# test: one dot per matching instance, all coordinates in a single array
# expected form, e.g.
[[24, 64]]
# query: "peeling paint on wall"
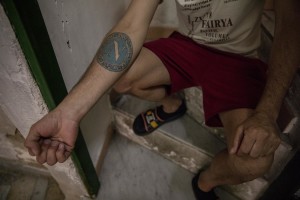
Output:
[[16, 82], [23, 104]]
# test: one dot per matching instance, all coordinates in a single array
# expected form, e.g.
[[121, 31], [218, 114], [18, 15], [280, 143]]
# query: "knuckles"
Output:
[[266, 135], [256, 133], [261, 132]]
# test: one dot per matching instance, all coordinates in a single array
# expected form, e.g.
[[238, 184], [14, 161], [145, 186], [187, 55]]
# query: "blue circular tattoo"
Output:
[[115, 53]]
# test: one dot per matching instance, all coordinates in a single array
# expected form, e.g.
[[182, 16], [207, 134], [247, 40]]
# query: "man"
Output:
[[214, 48]]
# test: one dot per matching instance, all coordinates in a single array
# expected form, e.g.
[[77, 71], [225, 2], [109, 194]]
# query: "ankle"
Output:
[[204, 187], [204, 183], [171, 106]]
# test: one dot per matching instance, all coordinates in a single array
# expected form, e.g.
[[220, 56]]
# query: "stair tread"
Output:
[[185, 142], [19, 182], [40, 189], [4, 190], [184, 128], [132, 172]]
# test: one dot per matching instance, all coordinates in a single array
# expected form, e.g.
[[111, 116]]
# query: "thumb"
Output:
[[237, 139]]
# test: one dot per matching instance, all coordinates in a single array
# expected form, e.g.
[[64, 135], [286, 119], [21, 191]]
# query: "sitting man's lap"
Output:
[[228, 81]]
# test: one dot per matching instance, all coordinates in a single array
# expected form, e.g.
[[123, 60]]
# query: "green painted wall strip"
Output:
[[85, 166], [26, 18]]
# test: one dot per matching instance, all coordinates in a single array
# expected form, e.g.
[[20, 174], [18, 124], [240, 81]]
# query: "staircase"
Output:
[[188, 143], [184, 142], [20, 181]]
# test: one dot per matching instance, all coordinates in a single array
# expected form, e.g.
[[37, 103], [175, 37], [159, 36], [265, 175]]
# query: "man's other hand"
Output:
[[257, 136]]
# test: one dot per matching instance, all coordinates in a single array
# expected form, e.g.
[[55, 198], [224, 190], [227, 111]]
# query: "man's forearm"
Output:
[[284, 58], [85, 94], [117, 52]]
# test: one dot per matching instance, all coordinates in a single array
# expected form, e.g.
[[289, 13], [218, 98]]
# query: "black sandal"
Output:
[[146, 122]]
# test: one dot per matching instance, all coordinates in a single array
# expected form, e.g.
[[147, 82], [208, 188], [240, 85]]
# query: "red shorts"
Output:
[[228, 81]]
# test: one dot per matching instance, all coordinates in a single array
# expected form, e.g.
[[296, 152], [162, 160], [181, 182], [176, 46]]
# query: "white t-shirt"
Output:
[[228, 25]]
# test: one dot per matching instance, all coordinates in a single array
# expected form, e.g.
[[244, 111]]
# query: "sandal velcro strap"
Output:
[[148, 121], [151, 119]]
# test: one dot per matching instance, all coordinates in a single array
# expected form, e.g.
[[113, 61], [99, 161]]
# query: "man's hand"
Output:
[[257, 136], [52, 138]]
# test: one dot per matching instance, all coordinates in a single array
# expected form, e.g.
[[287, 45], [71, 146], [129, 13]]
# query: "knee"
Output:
[[123, 86], [248, 168], [128, 86]]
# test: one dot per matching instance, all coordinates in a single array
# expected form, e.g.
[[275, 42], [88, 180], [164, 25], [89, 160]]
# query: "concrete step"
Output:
[[132, 172], [26, 183], [4, 190], [184, 141]]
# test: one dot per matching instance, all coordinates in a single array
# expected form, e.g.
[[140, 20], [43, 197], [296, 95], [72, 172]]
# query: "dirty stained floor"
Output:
[[17, 184], [132, 172], [129, 172]]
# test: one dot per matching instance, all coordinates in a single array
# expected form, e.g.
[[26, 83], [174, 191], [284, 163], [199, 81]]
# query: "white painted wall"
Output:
[[166, 15], [16, 83], [76, 29], [7, 150]]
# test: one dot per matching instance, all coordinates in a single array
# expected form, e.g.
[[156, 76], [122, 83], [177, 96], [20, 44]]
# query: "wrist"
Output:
[[270, 104], [70, 109], [271, 113]]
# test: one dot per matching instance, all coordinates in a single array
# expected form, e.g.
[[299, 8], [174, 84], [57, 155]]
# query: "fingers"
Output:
[[247, 144], [237, 140], [32, 144], [258, 143], [251, 144], [52, 138], [52, 152], [67, 154], [275, 144], [62, 154], [257, 149], [42, 157], [31, 152]]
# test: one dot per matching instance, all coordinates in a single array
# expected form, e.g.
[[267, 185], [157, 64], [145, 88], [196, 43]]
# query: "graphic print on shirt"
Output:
[[227, 25], [203, 18]]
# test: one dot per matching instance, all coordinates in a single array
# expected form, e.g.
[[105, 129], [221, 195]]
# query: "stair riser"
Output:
[[184, 155], [179, 152]]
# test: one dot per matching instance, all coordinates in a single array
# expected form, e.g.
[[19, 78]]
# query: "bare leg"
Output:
[[171, 103], [232, 169], [147, 79]]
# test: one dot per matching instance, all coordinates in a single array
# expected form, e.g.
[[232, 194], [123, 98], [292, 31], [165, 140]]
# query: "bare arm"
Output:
[[52, 138], [285, 57], [259, 135], [116, 53]]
